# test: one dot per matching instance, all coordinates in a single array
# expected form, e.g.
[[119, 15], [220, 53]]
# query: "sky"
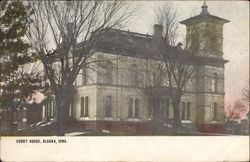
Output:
[[236, 35]]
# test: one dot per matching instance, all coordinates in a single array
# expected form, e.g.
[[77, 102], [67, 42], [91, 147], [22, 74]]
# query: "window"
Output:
[[84, 76], [133, 108], [44, 111], [134, 75], [215, 111], [54, 105], [183, 111], [86, 110], [188, 111], [214, 82], [84, 106], [136, 111], [71, 109], [52, 108], [108, 75], [130, 107], [194, 42], [108, 106], [164, 108]]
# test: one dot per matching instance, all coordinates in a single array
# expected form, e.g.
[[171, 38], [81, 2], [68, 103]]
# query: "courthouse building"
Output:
[[115, 92]]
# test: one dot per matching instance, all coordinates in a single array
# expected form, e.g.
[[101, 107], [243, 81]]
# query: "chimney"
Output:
[[158, 31]]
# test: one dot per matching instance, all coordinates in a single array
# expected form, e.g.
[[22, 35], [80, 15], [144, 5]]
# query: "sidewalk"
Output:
[[75, 133]]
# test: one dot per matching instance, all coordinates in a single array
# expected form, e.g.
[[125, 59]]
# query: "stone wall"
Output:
[[198, 91]]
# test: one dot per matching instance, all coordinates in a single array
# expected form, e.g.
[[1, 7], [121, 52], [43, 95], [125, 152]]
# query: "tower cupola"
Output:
[[204, 33], [204, 10]]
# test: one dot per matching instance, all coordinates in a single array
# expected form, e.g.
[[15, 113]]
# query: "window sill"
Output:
[[186, 121], [84, 118], [108, 118], [214, 121], [133, 119]]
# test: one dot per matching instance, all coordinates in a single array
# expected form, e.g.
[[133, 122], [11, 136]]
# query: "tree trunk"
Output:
[[64, 96], [11, 115], [177, 119]]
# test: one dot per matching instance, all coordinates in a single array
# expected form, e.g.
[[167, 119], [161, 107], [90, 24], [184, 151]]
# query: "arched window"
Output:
[[214, 82], [183, 111], [134, 75], [108, 106], [215, 111], [82, 107]]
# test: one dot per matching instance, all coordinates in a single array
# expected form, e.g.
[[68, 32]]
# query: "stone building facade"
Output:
[[113, 92]]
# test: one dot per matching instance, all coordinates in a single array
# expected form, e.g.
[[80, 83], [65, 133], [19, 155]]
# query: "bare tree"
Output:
[[66, 33], [179, 63], [235, 112], [245, 94], [167, 16]]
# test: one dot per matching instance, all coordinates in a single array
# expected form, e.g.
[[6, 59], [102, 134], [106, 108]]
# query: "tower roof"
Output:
[[204, 16]]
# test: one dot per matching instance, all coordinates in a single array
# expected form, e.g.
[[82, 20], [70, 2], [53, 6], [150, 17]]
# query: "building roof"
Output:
[[204, 16], [126, 43]]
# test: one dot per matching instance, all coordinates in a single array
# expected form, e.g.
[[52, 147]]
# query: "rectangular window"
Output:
[[183, 111], [86, 110], [55, 109], [84, 76], [166, 107], [133, 108], [108, 106], [49, 109], [130, 107], [52, 109], [136, 111], [109, 70], [213, 85], [82, 107], [215, 111], [71, 109], [188, 111]]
